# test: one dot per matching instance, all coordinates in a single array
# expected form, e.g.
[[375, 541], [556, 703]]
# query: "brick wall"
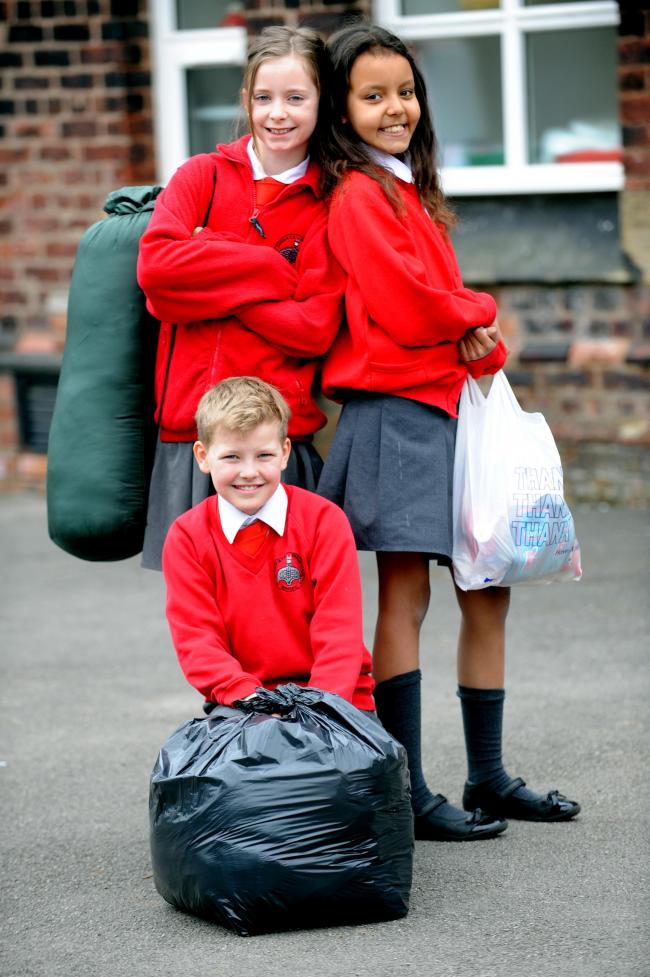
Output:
[[634, 100], [75, 122], [634, 93], [580, 355]]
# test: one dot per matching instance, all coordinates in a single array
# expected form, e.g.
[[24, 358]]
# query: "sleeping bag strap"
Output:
[[172, 337]]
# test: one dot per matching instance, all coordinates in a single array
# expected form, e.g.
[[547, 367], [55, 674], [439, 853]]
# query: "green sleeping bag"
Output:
[[102, 435]]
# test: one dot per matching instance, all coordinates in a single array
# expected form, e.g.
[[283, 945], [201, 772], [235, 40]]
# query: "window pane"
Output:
[[464, 85], [572, 88], [536, 3], [213, 106], [195, 14], [415, 7]]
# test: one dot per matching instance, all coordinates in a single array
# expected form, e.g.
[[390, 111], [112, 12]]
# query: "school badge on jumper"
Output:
[[289, 572], [288, 247]]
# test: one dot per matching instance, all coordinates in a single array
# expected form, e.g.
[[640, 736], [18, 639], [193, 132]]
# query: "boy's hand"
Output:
[[479, 342], [276, 715]]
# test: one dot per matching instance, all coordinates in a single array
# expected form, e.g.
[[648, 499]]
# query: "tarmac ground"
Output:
[[90, 688]]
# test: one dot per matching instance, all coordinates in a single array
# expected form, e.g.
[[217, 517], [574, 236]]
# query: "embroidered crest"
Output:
[[288, 247], [289, 572]]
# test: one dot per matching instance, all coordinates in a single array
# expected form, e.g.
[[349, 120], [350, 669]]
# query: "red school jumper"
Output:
[[241, 303], [406, 306], [289, 612]]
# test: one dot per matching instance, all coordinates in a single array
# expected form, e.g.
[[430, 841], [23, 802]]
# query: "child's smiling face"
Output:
[[283, 109], [245, 467], [382, 106]]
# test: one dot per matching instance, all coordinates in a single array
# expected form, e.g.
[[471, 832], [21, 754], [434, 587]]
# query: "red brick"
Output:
[[609, 351], [62, 249], [8, 156], [631, 80], [48, 274], [635, 109], [55, 153], [9, 440], [13, 298], [634, 52], [106, 152], [85, 128], [101, 54], [637, 162]]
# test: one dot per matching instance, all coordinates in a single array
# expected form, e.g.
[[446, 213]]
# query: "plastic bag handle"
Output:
[[472, 393]]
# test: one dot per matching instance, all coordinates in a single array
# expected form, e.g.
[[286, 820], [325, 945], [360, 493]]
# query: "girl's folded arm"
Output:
[[492, 363], [187, 276], [376, 249], [307, 323]]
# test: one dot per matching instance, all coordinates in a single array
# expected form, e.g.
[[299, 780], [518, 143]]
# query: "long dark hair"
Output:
[[342, 150]]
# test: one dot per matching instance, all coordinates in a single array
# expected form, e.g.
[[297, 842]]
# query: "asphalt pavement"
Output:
[[90, 688]]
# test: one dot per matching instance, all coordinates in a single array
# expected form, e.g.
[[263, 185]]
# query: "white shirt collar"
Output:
[[397, 167], [288, 176], [273, 513]]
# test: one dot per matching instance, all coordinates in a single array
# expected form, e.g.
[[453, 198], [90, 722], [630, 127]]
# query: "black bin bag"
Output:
[[263, 823]]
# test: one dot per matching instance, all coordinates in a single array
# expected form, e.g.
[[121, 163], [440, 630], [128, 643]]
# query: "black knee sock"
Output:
[[482, 711], [483, 722], [399, 709]]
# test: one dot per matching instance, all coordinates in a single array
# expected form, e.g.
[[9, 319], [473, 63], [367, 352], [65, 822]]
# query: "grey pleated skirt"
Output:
[[177, 484], [391, 469]]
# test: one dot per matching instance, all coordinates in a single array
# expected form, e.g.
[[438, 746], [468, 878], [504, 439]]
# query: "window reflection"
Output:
[[538, 3], [572, 96], [214, 106], [199, 14], [464, 84], [420, 7]]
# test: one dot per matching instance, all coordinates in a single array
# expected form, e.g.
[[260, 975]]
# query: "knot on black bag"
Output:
[[281, 700]]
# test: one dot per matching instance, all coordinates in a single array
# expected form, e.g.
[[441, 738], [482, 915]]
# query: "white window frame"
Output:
[[511, 22], [173, 52]]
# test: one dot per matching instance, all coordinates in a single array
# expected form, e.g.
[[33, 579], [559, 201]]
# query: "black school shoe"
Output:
[[545, 807], [476, 827]]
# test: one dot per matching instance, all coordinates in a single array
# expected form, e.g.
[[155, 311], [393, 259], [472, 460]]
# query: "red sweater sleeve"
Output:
[[489, 364], [377, 249], [197, 627], [336, 628], [307, 323], [210, 275]]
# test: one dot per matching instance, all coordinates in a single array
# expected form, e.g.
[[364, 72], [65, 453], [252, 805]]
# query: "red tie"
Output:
[[250, 539]]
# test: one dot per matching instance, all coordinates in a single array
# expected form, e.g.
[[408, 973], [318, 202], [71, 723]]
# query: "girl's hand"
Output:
[[479, 342], [196, 231]]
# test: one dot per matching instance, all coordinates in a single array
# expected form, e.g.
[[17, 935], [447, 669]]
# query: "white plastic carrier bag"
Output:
[[511, 523]]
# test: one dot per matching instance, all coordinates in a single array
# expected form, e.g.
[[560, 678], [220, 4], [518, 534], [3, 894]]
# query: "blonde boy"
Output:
[[262, 579]]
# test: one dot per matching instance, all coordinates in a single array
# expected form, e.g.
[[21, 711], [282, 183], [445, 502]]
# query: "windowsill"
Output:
[[536, 178]]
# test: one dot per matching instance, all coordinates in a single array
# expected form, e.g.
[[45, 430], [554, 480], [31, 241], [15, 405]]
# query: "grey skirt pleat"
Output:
[[391, 468]]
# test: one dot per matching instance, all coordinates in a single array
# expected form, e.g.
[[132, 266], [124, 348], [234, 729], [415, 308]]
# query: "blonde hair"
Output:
[[240, 404]]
